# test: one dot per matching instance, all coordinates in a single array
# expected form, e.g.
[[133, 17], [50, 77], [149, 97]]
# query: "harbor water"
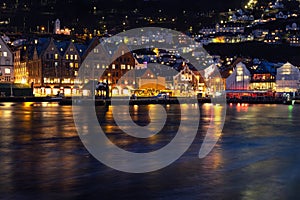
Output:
[[256, 157]]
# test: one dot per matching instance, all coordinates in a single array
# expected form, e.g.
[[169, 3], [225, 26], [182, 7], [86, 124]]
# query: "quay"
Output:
[[146, 101]]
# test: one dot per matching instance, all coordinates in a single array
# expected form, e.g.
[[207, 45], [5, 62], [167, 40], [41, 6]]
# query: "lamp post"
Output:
[[110, 84], [11, 88]]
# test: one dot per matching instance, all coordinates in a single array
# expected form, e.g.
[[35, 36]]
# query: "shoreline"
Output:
[[144, 101]]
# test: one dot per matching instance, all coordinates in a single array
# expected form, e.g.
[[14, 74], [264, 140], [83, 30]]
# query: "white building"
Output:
[[6, 63], [239, 79], [287, 78]]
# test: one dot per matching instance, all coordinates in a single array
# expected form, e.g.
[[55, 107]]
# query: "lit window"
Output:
[[113, 66], [76, 57], [71, 65], [76, 65], [71, 57], [128, 67], [7, 71], [67, 56], [5, 54], [56, 56], [0, 46], [123, 66]]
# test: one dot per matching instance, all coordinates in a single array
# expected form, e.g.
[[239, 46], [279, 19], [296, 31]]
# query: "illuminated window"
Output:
[[5, 54], [239, 71], [67, 56], [71, 65], [123, 66], [56, 56], [71, 57], [76, 57], [76, 73], [67, 80], [76, 65], [113, 66], [7, 71], [128, 67], [0, 46]]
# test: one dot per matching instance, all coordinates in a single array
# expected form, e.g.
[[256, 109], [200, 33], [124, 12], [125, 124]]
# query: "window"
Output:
[[71, 57], [76, 65], [7, 71], [71, 65], [67, 57], [55, 64], [76, 57], [46, 80], [5, 54], [56, 56], [113, 66], [0, 46], [123, 67]]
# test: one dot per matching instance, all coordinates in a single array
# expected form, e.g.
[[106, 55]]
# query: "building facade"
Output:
[[6, 63]]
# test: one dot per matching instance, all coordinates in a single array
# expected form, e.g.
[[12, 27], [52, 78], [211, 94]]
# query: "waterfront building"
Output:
[[6, 63], [188, 82], [151, 80], [287, 78], [239, 79], [263, 76], [60, 65], [119, 74]]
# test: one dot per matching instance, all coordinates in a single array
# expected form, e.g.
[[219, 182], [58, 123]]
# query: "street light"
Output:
[[11, 88]]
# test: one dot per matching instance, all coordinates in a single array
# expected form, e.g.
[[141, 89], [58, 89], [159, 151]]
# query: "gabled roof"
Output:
[[81, 48], [265, 68], [62, 46], [42, 45]]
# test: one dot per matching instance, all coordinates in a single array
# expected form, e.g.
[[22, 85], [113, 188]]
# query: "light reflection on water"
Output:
[[257, 156]]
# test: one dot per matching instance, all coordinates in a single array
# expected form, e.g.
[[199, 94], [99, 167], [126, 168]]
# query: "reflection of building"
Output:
[[6, 63], [287, 79]]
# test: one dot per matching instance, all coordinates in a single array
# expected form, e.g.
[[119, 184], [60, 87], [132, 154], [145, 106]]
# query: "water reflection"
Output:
[[257, 156]]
